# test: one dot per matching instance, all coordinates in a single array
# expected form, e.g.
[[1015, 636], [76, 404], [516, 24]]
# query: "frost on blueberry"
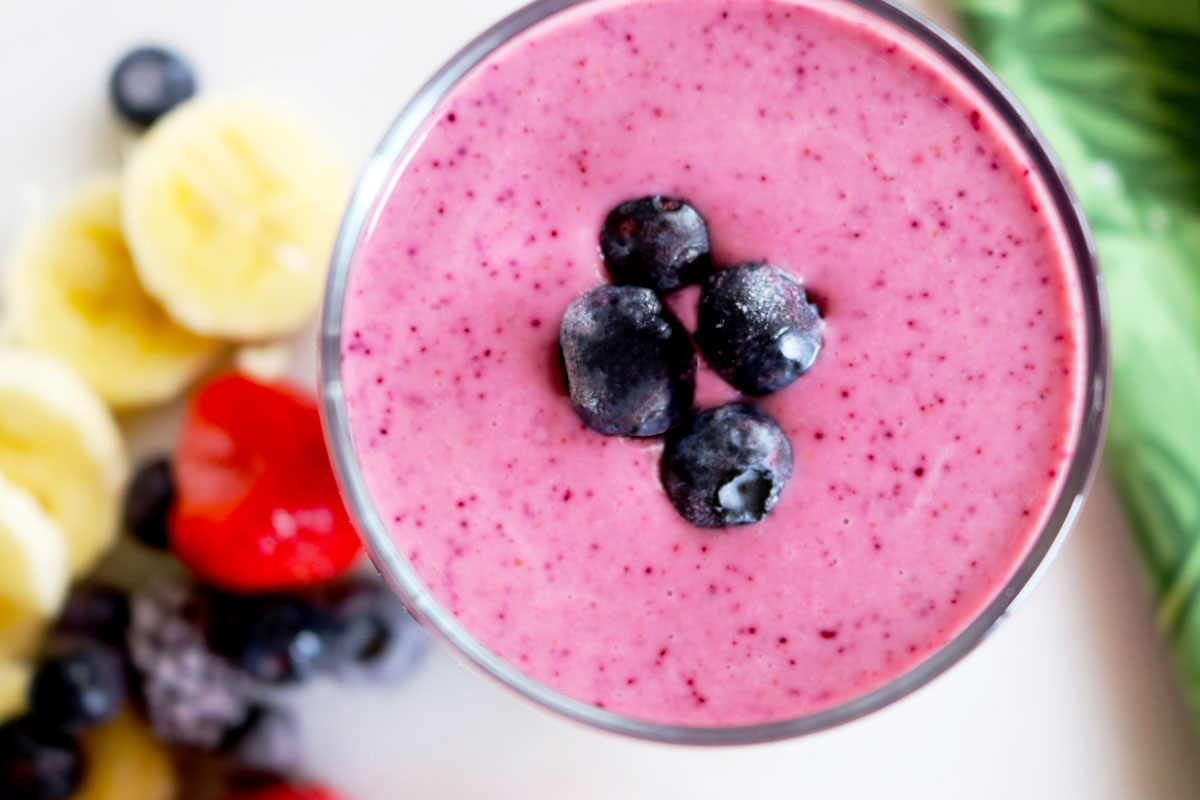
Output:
[[630, 366], [757, 328], [726, 466]]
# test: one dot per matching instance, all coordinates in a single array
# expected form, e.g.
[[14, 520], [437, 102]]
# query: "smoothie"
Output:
[[930, 438]]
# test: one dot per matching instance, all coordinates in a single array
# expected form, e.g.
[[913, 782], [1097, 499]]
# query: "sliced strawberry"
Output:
[[257, 507]]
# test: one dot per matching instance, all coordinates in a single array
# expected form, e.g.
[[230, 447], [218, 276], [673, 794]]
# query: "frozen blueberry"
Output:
[[757, 328], [79, 687], [148, 501], [95, 612], [273, 638], [726, 466], [374, 639], [630, 365], [148, 82], [38, 761], [657, 242]]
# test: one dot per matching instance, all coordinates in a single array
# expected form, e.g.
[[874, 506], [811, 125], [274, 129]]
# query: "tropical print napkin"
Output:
[[1115, 86]]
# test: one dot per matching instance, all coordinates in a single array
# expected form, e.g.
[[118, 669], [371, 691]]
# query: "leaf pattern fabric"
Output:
[[1115, 86]]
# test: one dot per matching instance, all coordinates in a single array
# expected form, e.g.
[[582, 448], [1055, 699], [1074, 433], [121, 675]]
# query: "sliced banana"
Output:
[[60, 442], [34, 571], [125, 762], [230, 207], [72, 290], [14, 687]]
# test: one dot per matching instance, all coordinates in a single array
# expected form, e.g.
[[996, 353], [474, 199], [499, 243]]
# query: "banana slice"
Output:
[[60, 442], [14, 688], [72, 291], [230, 207], [34, 571], [125, 762]]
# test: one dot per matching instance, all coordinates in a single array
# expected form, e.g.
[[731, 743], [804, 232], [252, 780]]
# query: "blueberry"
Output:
[[38, 761], [100, 613], [657, 242], [273, 638], [726, 466], [374, 639], [79, 687], [757, 328], [148, 82], [148, 500], [268, 741], [630, 366]]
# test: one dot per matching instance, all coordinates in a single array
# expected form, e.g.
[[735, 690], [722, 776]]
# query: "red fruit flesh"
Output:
[[288, 793], [257, 507]]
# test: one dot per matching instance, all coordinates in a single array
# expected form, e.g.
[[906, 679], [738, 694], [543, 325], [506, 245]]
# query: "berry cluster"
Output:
[[127, 682], [211, 672], [631, 366], [215, 667], [209, 661]]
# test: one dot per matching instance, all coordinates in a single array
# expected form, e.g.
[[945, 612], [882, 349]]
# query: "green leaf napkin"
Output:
[[1115, 86]]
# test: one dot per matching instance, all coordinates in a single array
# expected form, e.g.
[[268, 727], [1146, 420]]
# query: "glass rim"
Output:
[[403, 579]]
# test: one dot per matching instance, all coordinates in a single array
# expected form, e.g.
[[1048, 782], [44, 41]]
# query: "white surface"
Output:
[[1072, 698]]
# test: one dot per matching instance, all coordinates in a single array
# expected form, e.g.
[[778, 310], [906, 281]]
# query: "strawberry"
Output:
[[282, 792], [257, 507]]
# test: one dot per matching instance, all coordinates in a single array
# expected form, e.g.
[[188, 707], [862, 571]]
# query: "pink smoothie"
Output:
[[930, 439]]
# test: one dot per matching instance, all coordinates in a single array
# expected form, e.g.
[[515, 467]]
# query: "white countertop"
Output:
[[1072, 698]]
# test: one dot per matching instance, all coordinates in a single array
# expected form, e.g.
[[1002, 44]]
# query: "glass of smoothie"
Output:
[[941, 444]]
